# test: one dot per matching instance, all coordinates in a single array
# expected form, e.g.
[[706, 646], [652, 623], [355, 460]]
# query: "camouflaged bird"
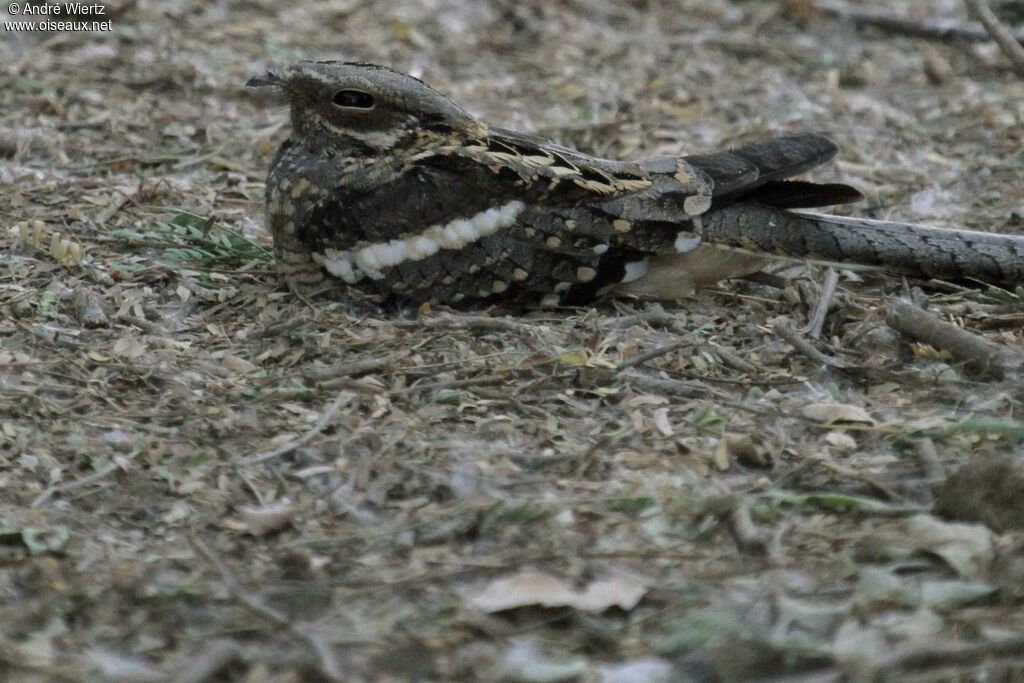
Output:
[[388, 186]]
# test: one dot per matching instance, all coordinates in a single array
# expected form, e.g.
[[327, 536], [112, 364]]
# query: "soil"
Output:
[[204, 477]]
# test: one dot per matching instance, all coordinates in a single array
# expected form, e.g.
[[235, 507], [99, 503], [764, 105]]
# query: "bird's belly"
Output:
[[677, 276]]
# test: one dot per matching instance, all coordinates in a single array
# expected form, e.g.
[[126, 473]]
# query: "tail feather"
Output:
[[757, 172], [753, 165], [787, 155], [907, 248], [798, 194], [727, 171]]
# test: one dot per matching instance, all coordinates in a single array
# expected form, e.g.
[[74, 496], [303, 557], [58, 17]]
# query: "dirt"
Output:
[[203, 477], [987, 491]]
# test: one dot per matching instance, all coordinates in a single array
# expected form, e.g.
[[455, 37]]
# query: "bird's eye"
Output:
[[353, 99]]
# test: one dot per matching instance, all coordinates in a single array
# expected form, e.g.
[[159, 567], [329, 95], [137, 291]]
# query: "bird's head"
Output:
[[362, 108]]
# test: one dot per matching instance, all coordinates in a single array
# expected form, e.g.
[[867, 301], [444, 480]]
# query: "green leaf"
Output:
[[194, 239]]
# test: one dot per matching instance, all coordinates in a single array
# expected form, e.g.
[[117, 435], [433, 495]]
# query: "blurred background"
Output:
[[926, 127]]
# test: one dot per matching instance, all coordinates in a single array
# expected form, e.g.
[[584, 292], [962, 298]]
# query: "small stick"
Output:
[[747, 535], [891, 21], [325, 419], [363, 366], [976, 351], [328, 662], [928, 456], [735, 511], [929, 656], [776, 551], [112, 208], [828, 290], [670, 387], [213, 660], [880, 487], [49, 493], [785, 330], [655, 316], [735, 362], [482, 380], [654, 353], [478, 323], [1007, 42]]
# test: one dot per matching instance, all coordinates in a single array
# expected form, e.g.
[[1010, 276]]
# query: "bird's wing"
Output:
[[512, 212]]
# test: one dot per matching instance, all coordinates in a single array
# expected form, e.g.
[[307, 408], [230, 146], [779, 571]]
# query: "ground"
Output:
[[203, 477]]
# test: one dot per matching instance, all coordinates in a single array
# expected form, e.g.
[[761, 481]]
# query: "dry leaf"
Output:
[[538, 588], [129, 347], [525, 662], [967, 548], [574, 358], [266, 519], [662, 423], [721, 454], [841, 440], [638, 671], [837, 413], [750, 450], [237, 365]]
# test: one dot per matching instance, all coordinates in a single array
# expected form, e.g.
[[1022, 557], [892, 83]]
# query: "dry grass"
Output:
[[203, 476]]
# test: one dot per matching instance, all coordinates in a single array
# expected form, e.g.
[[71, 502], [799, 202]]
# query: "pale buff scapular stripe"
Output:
[[371, 260]]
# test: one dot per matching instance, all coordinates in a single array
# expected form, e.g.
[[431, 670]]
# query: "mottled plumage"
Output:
[[388, 186]]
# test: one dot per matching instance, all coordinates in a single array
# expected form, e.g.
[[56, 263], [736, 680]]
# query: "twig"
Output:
[[525, 332], [1007, 42], [49, 493], [785, 330], [776, 550], [653, 353], [928, 456], [212, 661], [477, 323], [325, 419], [747, 535], [935, 656], [879, 487], [734, 510], [363, 366], [329, 666], [19, 658], [766, 279], [670, 387], [654, 315], [890, 21], [829, 675], [977, 352], [735, 362], [115, 205], [828, 290], [482, 380]]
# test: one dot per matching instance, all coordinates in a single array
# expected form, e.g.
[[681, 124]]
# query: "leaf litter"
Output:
[[205, 475]]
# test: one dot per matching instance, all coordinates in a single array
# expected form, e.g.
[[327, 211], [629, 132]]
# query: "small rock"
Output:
[[882, 342], [989, 490], [88, 310]]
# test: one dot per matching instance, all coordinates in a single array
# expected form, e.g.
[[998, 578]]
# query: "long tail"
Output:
[[903, 248]]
